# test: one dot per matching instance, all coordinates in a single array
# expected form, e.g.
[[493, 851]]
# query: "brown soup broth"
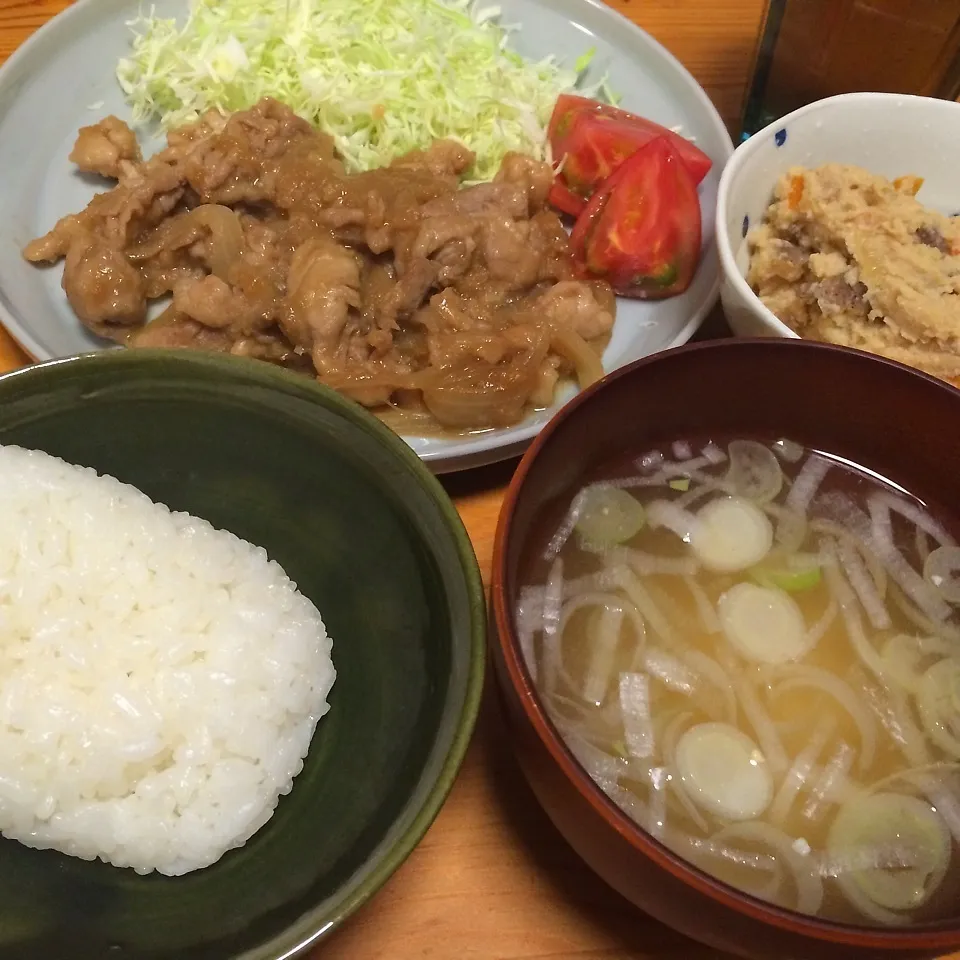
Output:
[[800, 713]]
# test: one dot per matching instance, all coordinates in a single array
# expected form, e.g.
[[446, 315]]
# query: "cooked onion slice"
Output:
[[846, 599], [635, 711], [938, 699], [903, 657], [863, 584], [754, 471], [708, 615], [529, 620], [942, 569], [891, 708], [731, 534], [713, 453], [788, 450], [759, 873], [816, 678], [708, 670], [763, 623], [916, 514], [831, 781], [671, 672], [892, 822], [800, 771], [604, 637], [608, 516], [724, 771], [791, 530], [919, 590], [805, 875], [662, 513], [807, 484]]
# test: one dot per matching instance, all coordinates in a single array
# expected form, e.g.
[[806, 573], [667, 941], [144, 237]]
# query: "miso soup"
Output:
[[754, 650]]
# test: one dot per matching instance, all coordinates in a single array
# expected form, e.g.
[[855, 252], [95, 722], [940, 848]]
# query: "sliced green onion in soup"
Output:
[[764, 624], [909, 844], [731, 534], [754, 471], [608, 516], [793, 581], [724, 771]]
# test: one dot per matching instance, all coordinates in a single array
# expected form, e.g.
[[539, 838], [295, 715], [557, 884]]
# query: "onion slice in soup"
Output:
[[788, 450], [604, 639], [830, 782], [799, 773], [917, 589], [663, 513], [915, 514], [635, 712], [552, 605], [671, 672], [713, 454], [712, 673], [863, 585], [942, 569], [805, 874], [807, 483], [846, 599], [708, 615], [529, 621], [938, 700], [816, 678]]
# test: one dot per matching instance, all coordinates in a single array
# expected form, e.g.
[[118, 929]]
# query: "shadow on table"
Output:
[[478, 480], [638, 934]]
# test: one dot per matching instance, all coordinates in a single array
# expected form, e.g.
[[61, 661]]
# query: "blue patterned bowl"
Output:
[[889, 134]]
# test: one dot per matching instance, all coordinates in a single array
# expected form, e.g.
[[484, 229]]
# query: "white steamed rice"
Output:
[[160, 680]]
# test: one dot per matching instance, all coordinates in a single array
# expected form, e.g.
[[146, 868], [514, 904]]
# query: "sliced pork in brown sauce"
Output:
[[457, 305]]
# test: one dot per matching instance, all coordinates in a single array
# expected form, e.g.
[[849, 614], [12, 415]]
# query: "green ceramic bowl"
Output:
[[369, 535]]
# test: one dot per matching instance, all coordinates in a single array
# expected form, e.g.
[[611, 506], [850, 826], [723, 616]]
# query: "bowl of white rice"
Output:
[[241, 654]]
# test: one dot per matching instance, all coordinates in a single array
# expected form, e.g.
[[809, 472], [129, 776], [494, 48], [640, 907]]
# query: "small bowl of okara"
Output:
[[242, 652], [838, 223]]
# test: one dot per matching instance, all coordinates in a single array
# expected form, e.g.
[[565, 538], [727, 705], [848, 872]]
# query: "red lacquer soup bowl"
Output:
[[902, 424]]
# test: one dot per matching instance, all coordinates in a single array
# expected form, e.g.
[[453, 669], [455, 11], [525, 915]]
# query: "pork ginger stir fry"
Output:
[[395, 286]]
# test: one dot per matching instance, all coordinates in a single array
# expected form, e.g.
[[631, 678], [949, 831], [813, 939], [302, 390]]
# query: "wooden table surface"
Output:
[[492, 880]]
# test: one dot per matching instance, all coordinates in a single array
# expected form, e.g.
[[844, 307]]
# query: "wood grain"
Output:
[[492, 879]]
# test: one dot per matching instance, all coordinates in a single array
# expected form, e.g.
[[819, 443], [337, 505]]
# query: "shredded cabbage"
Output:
[[382, 77]]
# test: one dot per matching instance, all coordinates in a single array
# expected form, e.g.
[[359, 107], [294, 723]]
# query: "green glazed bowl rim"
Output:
[[316, 924]]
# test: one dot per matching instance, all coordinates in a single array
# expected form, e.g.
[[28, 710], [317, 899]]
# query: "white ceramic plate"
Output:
[[63, 78]]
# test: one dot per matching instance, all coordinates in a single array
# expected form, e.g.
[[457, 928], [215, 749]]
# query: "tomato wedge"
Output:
[[641, 230], [569, 108], [564, 200], [593, 139]]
